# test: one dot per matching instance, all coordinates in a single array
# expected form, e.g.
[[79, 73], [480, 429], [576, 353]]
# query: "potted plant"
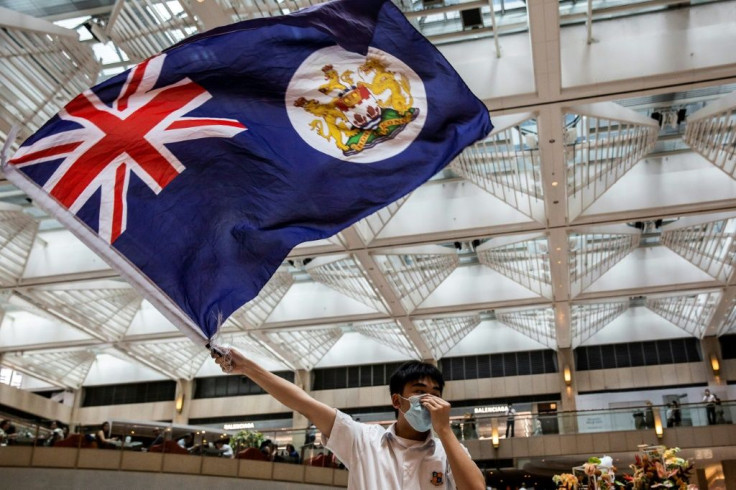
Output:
[[245, 439]]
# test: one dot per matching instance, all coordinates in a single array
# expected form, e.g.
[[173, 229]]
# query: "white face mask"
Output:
[[417, 416]]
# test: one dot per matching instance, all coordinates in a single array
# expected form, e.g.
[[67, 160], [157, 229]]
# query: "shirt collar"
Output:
[[390, 435]]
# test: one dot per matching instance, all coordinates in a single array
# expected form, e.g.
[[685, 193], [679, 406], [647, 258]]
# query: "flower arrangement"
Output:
[[658, 467], [595, 474], [655, 467]]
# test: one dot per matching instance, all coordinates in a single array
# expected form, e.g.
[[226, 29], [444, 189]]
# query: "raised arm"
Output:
[[287, 393]]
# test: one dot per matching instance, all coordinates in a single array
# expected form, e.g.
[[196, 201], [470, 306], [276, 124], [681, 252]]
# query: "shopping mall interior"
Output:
[[578, 264]]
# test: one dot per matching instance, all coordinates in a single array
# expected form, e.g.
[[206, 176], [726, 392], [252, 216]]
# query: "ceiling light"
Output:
[[554, 183]]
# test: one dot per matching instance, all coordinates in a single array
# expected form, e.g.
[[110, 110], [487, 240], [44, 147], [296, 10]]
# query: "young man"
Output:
[[401, 457]]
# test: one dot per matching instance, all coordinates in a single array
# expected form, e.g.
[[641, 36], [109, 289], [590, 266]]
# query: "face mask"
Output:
[[417, 416]]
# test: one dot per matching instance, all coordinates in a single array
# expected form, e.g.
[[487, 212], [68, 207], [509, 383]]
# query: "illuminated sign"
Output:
[[491, 409], [239, 426]]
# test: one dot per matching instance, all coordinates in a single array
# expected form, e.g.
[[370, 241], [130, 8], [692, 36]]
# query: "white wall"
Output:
[[476, 284], [108, 370], [354, 349], [637, 324], [442, 206], [678, 40], [666, 181], [315, 300], [649, 267], [60, 252], [20, 328], [493, 337]]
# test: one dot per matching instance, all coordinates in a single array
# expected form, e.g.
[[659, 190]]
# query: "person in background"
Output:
[[57, 433], [510, 420], [469, 431], [4, 436], [311, 434], [158, 437], [710, 406], [676, 413], [186, 442], [669, 415], [102, 436], [649, 415], [291, 455], [222, 445], [720, 419]]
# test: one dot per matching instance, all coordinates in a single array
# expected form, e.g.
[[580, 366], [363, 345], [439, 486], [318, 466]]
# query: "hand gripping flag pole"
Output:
[[197, 171]]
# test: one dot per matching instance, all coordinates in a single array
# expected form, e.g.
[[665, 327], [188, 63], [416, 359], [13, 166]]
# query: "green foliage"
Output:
[[246, 438]]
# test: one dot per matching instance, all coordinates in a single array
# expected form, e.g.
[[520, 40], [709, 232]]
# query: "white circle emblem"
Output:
[[356, 108]]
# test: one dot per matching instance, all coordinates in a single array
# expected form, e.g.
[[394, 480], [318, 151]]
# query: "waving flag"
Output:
[[196, 172]]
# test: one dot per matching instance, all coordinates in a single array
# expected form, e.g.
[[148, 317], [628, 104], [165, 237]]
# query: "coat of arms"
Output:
[[437, 478], [365, 109]]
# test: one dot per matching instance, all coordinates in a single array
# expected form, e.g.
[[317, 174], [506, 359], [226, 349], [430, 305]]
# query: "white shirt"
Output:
[[379, 459], [710, 398]]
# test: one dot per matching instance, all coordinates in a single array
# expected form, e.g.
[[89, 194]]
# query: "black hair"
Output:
[[414, 371]]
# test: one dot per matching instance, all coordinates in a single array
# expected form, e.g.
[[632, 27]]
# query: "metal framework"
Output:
[[103, 311], [593, 253], [17, 234], [601, 145], [590, 318], [507, 165], [692, 312], [255, 312], [142, 28], [343, 274], [442, 334], [371, 226], [710, 245], [414, 273], [536, 323], [44, 67], [67, 369], [179, 358], [389, 334], [303, 348], [522, 258], [712, 132]]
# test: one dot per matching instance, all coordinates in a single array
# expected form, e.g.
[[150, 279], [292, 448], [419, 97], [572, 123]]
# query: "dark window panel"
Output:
[[621, 351], [353, 376], [523, 365], [497, 365], [636, 354], [366, 375], [509, 364], [664, 351], [484, 366]]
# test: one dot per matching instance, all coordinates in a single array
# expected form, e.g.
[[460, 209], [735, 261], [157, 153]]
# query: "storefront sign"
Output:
[[239, 426], [491, 409]]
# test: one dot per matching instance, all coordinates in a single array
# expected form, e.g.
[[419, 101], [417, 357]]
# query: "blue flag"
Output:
[[197, 171]]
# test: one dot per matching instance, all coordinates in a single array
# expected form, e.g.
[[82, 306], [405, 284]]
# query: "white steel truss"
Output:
[[105, 311], [371, 226], [507, 165], [343, 274], [442, 334], [692, 312], [522, 258], [179, 358], [728, 325], [536, 323], [710, 245], [17, 233], [303, 348], [389, 334], [595, 252], [67, 369], [246, 343], [142, 28], [414, 273], [255, 312], [711, 131], [590, 318], [44, 67], [601, 147]]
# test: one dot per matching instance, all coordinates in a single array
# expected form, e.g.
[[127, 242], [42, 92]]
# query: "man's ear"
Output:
[[396, 401]]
